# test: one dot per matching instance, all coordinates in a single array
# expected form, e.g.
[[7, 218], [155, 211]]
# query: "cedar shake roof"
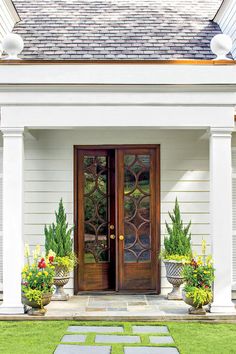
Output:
[[117, 29]]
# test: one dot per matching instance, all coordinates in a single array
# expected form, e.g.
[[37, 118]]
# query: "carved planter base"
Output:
[[193, 310], [174, 276], [61, 278], [33, 308]]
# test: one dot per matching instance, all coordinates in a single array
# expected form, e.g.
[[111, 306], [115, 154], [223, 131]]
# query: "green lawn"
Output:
[[43, 336]]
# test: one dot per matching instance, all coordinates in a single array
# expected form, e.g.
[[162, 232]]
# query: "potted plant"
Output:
[[37, 282], [58, 244], [177, 251], [198, 277]]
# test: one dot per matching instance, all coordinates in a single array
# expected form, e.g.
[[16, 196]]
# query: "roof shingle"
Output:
[[117, 29]]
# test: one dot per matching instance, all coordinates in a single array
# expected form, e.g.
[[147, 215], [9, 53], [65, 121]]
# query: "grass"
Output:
[[43, 336]]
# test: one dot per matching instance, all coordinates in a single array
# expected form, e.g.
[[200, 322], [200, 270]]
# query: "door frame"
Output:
[[157, 199]]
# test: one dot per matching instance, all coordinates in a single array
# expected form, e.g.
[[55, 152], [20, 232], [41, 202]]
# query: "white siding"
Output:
[[1, 238], [234, 215], [226, 18], [184, 174], [8, 17]]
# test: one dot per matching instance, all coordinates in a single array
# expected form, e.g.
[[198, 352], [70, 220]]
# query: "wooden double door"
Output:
[[117, 218]]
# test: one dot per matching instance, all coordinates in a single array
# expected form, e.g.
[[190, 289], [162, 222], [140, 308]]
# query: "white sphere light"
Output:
[[13, 45], [221, 45]]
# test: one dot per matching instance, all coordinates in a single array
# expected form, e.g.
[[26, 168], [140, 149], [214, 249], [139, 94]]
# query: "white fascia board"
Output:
[[117, 95], [177, 117], [123, 74]]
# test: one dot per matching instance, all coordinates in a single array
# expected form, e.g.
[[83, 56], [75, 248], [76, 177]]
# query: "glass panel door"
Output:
[[138, 199]]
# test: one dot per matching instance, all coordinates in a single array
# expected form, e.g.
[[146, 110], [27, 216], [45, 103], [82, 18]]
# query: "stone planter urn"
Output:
[[193, 310], [174, 276], [62, 276], [36, 309]]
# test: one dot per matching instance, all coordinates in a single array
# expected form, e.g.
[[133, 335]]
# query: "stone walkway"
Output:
[[128, 306], [157, 339]]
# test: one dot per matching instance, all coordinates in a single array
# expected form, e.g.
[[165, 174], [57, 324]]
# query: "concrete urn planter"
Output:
[[62, 276], [193, 310], [37, 309], [174, 276]]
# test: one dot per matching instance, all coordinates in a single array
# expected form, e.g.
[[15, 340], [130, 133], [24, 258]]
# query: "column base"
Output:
[[11, 310], [226, 308]]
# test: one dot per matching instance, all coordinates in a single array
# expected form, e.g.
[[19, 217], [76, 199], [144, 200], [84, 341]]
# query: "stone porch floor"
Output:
[[121, 307]]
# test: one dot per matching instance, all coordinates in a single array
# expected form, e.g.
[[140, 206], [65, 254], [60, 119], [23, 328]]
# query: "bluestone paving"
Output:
[[97, 329], [75, 349], [150, 350], [116, 339], [69, 338], [150, 329], [161, 340]]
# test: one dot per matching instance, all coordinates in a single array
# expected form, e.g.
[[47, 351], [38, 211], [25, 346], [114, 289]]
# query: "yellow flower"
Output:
[[46, 273], [30, 273], [203, 246], [195, 275], [39, 273], [27, 251], [24, 270]]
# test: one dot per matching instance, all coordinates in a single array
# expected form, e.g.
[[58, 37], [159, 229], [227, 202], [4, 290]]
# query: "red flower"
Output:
[[51, 259], [42, 263]]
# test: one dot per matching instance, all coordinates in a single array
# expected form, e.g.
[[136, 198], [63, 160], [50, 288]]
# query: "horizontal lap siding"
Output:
[[184, 174], [227, 23]]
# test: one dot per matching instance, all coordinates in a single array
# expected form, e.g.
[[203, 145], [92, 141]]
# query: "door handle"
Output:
[[112, 237], [121, 238]]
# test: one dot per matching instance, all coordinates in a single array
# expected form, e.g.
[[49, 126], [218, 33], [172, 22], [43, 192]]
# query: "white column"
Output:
[[13, 159], [221, 217]]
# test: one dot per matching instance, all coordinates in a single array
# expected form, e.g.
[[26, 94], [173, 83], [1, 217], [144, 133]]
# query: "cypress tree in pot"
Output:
[[177, 251], [59, 244]]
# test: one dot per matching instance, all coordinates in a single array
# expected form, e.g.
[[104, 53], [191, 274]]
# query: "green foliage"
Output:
[[66, 262], [34, 295], [175, 257], [178, 241], [200, 296], [58, 235]]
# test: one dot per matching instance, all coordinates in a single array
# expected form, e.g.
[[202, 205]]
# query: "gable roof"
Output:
[[117, 29]]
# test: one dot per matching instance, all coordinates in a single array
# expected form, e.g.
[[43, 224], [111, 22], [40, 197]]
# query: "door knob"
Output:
[[121, 237], [112, 237]]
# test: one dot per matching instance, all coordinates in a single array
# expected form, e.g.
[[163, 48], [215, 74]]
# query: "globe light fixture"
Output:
[[221, 45], [12, 45]]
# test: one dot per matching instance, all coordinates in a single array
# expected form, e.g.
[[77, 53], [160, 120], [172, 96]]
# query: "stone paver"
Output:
[[71, 338], [117, 339], [150, 350], [161, 340], [150, 329], [97, 329], [75, 349]]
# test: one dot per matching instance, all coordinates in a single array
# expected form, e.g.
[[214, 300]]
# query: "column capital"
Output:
[[12, 132], [220, 132]]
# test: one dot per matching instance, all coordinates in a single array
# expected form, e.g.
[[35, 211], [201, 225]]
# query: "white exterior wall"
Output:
[[184, 174], [226, 18]]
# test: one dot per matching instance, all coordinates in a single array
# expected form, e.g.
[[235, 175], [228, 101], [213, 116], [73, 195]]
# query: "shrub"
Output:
[[177, 245], [58, 235]]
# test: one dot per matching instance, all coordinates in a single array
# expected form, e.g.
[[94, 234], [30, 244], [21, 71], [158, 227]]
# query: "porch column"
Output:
[[221, 217], [13, 159]]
